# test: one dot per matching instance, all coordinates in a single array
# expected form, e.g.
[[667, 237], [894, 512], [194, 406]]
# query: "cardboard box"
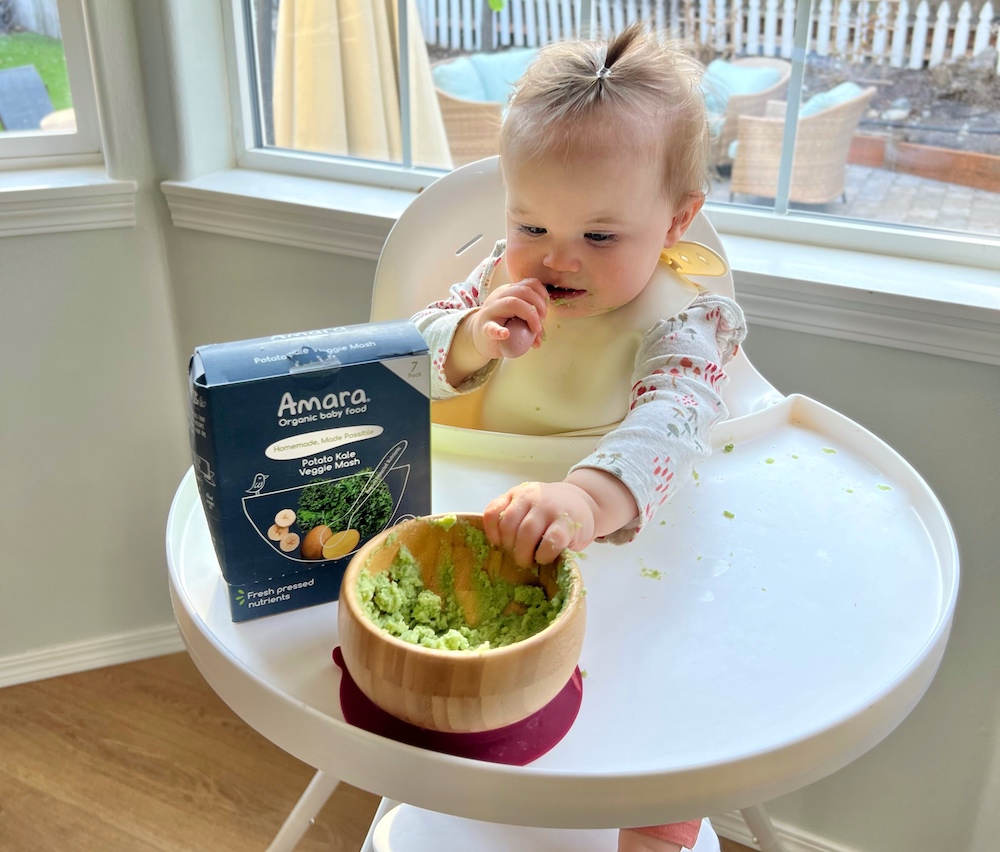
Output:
[[305, 446]]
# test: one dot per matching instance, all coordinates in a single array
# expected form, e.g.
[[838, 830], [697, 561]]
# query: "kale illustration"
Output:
[[333, 502]]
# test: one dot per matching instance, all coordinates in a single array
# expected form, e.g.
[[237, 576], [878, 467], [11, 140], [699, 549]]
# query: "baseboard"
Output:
[[733, 827], [72, 657]]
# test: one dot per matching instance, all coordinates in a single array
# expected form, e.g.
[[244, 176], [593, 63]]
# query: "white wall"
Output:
[[93, 417], [924, 787], [96, 331]]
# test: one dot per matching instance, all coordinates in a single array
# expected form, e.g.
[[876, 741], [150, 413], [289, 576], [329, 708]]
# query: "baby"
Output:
[[574, 323]]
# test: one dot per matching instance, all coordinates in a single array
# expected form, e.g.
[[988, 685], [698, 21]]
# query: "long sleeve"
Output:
[[439, 321], [674, 403]]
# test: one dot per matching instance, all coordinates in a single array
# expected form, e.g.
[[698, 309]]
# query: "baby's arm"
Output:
[[538, 520], [468, 330], [482, 334], [674, 404]]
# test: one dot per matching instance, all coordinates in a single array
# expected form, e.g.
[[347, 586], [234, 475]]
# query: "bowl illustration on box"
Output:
[[328, 519]]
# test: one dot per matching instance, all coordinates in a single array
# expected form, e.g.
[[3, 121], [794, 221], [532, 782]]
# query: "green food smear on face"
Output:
[[728, 448], [398, 601]]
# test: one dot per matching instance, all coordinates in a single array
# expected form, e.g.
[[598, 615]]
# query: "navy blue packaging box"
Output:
[[305, 446]]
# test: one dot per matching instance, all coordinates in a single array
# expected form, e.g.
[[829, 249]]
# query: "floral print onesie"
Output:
[[673, 404]]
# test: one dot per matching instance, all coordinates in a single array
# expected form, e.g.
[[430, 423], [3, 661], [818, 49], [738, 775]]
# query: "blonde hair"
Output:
[[635, 86]]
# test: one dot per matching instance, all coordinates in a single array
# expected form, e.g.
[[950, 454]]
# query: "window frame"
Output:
[[789, 226], [251, 154], [28, 149]]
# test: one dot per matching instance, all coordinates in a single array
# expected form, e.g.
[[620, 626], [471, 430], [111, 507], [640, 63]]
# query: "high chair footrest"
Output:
[[409, 829]]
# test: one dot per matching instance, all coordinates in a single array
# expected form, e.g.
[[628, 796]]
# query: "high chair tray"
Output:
[[778, 618]]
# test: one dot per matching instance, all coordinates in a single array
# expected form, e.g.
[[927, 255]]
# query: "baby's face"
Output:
[[589, 226]]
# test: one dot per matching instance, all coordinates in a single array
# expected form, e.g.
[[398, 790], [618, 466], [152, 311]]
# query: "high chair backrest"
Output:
[[453, 224]]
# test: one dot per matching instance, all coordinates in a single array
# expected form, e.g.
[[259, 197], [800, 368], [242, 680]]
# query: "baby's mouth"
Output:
[[561, 294]]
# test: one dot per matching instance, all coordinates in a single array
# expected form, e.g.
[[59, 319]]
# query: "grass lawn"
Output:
[[46, 54]]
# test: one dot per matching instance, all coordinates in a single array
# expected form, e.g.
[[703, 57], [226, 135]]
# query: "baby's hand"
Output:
[[509, 322], [538, 520]]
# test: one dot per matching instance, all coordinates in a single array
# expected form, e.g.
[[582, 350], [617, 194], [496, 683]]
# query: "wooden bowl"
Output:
[[459, 691]]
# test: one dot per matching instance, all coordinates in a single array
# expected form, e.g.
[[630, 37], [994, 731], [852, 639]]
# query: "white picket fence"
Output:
[[876, 31]]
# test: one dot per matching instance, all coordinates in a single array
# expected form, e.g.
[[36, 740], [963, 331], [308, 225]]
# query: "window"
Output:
[[897, 103], [47, 107]]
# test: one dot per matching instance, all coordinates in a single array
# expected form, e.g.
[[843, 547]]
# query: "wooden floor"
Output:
[[143, 757]]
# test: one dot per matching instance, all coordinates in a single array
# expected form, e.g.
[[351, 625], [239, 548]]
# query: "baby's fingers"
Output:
[[495, 330], [492, 516], [554, 541], [533, 291]]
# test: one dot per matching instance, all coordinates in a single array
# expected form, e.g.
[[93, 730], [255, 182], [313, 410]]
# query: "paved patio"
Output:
[[893, 197]]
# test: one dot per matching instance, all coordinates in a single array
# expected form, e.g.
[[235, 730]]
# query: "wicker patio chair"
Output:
[[822, 143], [472, 127], [749, 104], [472, 92]]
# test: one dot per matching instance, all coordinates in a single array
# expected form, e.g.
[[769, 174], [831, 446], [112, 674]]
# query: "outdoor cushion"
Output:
[[817, 103], [498, 72], [460, 78], [825, 100], [723, 79]]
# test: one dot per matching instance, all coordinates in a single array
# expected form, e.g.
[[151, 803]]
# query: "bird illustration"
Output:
[[258, 484]]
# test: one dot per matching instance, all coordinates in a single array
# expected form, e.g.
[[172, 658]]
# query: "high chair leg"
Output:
[[309, 804], [762, 828]]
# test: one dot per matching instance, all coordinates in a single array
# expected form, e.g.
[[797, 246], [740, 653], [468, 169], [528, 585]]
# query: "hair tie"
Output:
[[604, 72]]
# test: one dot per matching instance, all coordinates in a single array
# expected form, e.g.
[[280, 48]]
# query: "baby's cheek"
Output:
[[518, 262]]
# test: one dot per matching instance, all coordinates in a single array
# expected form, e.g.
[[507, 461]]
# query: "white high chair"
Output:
[[438, 240], [779, 617]]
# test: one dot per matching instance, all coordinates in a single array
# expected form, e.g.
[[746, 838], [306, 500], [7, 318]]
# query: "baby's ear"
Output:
[[683, 216]]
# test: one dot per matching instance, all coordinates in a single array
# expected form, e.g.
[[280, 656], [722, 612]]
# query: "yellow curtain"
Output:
[[336, 86]]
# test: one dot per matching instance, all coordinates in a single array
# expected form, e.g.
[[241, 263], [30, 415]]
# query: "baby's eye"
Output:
[[530, 230], [600, 238]]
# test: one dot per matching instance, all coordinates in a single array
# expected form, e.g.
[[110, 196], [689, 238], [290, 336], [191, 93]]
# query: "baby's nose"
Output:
[[561, 260]]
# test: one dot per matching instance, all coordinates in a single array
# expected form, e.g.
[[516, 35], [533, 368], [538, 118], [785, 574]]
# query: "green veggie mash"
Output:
[[398, 602]]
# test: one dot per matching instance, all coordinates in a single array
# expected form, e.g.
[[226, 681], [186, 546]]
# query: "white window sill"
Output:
[[940, 308], [342, 218], [51, 201]]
